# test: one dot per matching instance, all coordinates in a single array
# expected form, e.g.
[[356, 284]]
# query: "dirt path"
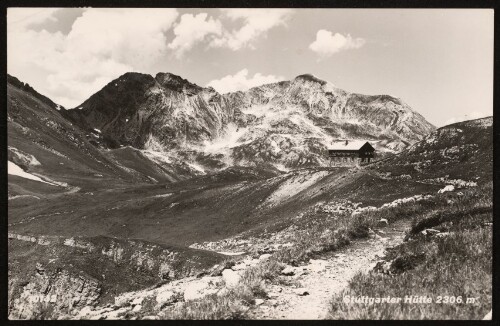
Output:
[[326, 276]]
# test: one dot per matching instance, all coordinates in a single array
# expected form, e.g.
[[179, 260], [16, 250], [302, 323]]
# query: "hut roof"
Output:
[[352, 145]]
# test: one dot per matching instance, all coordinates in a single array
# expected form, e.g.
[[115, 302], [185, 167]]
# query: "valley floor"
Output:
[[299, 245]]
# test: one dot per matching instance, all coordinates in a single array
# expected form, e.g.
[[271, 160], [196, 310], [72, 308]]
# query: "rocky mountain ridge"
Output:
[[150, 112], [461, 149], [287, 124]]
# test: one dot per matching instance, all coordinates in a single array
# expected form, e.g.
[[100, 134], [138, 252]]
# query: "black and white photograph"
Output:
[[249, 163]]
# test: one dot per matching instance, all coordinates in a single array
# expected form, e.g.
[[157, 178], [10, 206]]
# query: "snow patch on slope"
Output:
[[157, 156], [14, 169], [231, 138], [227, 253], [196, 167]]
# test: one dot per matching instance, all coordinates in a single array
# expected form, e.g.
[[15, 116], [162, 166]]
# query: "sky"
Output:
[[438, 61]]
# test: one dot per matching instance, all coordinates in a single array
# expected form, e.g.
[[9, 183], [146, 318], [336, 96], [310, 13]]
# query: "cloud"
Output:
[[193, 29], [256, 24], [327, 44], [22, 18], [241, 81], [102, 45], [132, 37], [469, 116]]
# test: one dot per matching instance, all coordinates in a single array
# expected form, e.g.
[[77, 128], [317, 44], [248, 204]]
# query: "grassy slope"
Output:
[[312, 242], [180, 213], [461, 151], [455, 265], [459, 264], [64, 154]]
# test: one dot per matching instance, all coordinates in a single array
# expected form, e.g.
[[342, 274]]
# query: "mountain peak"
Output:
[[136, 76], [176, 83], [310, 78]]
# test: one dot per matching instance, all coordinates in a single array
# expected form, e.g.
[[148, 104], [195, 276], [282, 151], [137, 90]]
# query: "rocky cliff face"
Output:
[[63, 275], [287, 124], [294, 122], [164, 112], [48, 293], [335, 111]]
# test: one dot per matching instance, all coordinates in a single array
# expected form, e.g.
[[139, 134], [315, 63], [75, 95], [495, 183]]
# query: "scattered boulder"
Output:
[[288, 271], [378, 237], [406, 262], [165, 298], [200, 288], [239, 267], [39, 268], [446, 189], [430, 232], [230, 277], [264, 257], [383, 222], [442, 235], [150, 318], [301, 291], [217, 270], [383, 267], [273, 294], [116, 314], [137, 301], [265, 250], [303, 271], [258, 302]]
